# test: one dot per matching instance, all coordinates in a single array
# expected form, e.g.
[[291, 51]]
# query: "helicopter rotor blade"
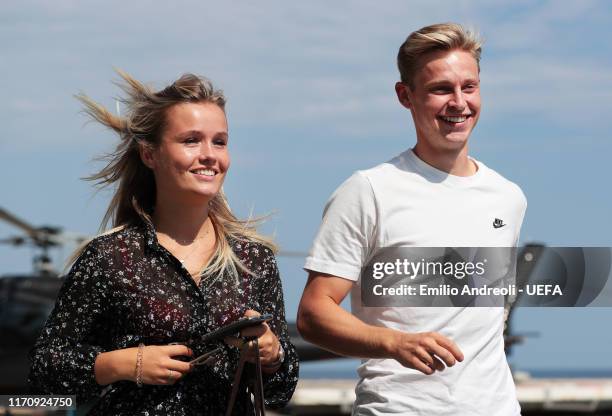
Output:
[[13, 220], [66, 237], [14, 241]]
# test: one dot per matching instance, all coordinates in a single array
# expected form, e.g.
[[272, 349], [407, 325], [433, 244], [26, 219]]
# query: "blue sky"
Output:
[[310, 100]]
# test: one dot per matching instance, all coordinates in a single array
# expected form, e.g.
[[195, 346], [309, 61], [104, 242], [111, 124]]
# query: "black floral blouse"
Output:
[[126, 288]]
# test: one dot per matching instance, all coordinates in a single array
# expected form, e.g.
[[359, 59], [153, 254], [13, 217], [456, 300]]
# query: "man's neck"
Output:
[[453, 162]]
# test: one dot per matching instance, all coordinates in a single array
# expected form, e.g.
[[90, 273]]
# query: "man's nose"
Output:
[[457, 100]]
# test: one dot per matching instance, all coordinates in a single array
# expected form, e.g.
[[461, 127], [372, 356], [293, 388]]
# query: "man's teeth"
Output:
[[459, 119], [206, 172]]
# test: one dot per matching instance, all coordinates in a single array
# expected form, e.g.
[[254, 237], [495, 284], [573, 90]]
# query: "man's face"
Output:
[[445, 101]]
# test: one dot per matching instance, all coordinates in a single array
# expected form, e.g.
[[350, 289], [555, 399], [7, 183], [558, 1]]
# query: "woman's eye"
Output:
[[220, 141], [191, 140]]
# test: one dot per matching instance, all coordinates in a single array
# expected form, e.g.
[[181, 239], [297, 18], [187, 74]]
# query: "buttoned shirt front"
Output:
[[124, 289]]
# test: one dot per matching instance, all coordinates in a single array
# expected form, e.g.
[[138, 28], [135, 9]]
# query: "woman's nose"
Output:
[[207, 151]]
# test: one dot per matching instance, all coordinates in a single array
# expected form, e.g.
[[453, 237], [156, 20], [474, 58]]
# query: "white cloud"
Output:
[[294, 65], [571, 93]]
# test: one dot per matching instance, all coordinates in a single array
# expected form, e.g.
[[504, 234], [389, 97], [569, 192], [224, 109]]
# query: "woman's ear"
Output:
[[147, 155]]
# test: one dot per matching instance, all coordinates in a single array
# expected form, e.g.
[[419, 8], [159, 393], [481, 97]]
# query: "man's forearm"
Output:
[[322, 321], [328, 325]]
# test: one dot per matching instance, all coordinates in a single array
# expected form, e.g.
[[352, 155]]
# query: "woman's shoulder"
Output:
[[124, 236], [255, 256], [109, 249], [254, 249]]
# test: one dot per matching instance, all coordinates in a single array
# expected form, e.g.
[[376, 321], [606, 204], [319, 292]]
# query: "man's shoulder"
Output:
[[367, 183], [396, 165], [503, 184], [394, 168]]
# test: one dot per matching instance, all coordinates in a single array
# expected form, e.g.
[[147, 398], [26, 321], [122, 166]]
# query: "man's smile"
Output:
[[455, 119]]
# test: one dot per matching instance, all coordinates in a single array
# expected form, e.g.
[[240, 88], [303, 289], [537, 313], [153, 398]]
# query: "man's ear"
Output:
[[146, 155], [403, 95]]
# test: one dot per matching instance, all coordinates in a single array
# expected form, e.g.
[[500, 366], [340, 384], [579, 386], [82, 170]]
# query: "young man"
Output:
[[419, 360]]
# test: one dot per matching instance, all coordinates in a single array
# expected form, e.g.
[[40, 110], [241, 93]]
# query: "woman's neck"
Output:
[[182, 223]]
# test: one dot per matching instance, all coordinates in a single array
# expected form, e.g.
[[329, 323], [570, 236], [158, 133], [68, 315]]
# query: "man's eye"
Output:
[[469, 88], [220, 142], [191, 140]]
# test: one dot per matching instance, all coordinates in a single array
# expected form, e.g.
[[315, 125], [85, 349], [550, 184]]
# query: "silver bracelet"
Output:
[[139, 364]]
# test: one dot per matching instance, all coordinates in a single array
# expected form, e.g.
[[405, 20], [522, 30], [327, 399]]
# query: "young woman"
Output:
[[177, 265]]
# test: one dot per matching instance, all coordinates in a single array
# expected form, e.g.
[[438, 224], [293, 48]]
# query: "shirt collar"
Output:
[[150, 235]]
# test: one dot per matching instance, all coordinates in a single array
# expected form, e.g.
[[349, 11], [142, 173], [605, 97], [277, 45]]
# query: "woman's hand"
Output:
[[269, 345], [158, 365]]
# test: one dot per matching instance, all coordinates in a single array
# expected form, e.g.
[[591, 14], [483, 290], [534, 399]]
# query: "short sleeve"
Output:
[[63, 358], [347, 232], [521, 209]]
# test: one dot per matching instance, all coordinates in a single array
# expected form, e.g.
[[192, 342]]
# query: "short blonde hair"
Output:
[[442, 36]]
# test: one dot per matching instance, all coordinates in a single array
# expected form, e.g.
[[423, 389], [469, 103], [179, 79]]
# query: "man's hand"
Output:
[[425, 351]]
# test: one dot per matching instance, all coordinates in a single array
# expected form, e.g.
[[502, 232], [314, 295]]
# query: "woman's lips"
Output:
[[204, 174]]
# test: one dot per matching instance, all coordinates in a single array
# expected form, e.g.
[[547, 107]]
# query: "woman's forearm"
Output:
[[114, 366]]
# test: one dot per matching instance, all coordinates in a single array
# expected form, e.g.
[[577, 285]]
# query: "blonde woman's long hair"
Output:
[[135, 192]]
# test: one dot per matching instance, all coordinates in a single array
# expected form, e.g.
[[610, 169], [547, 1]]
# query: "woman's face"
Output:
[[192, 158]]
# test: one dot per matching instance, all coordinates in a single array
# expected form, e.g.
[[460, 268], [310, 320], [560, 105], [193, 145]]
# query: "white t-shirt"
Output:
[[406, 202]]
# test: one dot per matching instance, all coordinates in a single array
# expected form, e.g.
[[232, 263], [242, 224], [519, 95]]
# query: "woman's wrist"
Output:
[[117, 365], [125, 364], [280, 357], [138, 367]]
